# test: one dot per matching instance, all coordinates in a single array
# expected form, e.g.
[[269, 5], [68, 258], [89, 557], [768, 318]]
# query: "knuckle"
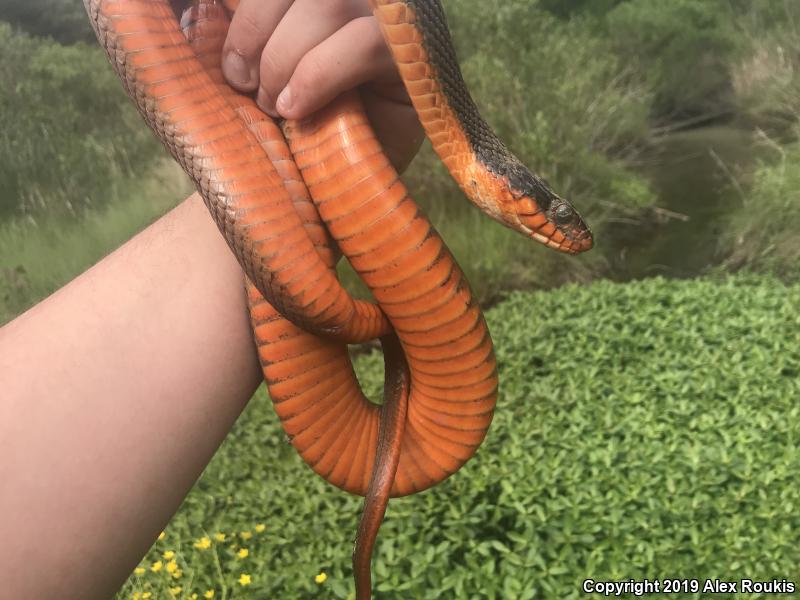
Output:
[[272, 70], [311, 72], [342, 10], [247, 34], [334, 7], [249, 26], [376, 45], [369, 38]]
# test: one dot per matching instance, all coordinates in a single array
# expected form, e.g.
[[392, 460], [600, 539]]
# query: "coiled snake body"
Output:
[[288, 199]]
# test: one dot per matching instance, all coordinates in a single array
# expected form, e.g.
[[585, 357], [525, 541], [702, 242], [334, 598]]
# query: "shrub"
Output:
[[685, 47], [557, 94], [68, 133], [762, 234], [766, 80], [65, 22]]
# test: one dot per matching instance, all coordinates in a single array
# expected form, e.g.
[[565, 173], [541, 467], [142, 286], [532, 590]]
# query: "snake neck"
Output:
[[490, 175]]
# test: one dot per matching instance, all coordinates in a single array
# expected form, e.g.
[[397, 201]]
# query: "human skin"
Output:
[[298, 55], [117, 390]]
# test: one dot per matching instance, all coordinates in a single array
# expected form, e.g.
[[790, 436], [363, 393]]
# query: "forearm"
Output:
[[115, 393]]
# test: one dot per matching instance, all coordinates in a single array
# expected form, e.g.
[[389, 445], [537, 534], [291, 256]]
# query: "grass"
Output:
[[579, 130], [761, 235], [646, 429], [39, 256]]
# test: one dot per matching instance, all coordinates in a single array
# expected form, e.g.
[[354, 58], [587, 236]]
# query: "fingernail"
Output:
[[265, 103], [235, 68], [284, 102]]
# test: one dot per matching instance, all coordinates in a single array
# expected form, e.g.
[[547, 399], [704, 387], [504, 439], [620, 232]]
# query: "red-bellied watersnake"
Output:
[[288, 199]]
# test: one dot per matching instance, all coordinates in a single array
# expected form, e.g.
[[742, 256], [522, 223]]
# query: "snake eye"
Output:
[[564, 214]]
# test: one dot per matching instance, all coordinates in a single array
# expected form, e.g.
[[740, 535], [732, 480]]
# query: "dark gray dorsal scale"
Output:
[[488, 148]]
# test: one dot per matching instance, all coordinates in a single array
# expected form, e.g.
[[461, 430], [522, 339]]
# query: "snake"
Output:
[[291, 197]]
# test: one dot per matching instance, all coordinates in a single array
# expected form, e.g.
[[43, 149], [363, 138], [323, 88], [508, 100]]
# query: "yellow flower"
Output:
[[208, 594], [320, 579], [219, 536], [136, 596], [193, 597], [169, 554], [147, 595], [177, 574], [162, 535], [242, 553], [174, 591], [246, 535], [139, 570], [260, 528], [172, 566], [156, 567], [203, 543], [244, 579]]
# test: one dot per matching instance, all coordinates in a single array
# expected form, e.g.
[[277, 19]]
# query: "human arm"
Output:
[[116, 391]]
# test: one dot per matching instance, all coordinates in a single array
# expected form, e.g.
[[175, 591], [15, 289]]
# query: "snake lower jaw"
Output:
[[572, 245]]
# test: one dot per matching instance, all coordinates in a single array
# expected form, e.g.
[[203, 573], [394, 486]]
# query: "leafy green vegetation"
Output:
[[643, 430], [763, 234], [765, 79], [65, 22], [579, 90], [684, 46], [39, 256], [68, 133]]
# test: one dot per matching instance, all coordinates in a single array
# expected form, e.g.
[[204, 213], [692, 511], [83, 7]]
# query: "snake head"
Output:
[[539, 213], [554, 223], [564, 229], [526, 203]]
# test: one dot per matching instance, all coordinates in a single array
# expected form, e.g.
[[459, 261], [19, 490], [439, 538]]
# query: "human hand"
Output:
[[298, 55]]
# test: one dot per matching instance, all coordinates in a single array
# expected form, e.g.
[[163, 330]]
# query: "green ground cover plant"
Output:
[[646, 429]]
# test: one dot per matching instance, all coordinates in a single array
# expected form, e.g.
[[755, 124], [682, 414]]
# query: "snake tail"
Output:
[[390, 436]]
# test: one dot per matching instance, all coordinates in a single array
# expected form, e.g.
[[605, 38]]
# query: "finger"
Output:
[[305, 25], [353, 55], [251, 26]]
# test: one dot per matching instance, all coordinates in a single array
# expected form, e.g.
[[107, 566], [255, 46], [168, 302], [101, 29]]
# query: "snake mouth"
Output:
[[572, 238], [567, 246], [581, 243]]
